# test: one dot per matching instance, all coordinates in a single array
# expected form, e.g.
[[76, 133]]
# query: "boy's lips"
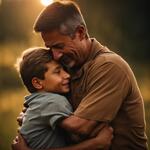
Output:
[[66, 83]]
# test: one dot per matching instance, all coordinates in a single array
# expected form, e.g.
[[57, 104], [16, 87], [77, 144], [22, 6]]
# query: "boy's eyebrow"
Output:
[[58, 66]]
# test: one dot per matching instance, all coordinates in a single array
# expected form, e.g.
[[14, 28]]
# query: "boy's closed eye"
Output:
[[57, 69]]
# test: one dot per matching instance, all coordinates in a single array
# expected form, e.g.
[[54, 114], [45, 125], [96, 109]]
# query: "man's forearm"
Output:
[[78, 125], [82, 127]]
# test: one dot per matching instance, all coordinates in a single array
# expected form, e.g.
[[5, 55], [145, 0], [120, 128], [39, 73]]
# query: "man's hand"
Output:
[[19, 143], [21, 116], [105, 137]]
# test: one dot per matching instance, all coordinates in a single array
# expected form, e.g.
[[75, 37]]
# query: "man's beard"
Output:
[[66, 60], [68, 63]]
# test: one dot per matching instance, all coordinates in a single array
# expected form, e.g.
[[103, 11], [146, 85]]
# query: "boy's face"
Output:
[[56, 79]]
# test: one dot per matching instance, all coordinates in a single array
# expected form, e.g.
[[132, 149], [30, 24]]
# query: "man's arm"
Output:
[[104, 136], [81, 129], [81, 126], [73, 124]]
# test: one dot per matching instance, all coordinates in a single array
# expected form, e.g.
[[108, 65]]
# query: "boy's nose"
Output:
[[66, 75], [57, 54]]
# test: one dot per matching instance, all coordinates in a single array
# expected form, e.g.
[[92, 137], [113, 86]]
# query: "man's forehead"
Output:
[[45, 34], [52, 33], [46, 39], [50, 37], [53, 41]]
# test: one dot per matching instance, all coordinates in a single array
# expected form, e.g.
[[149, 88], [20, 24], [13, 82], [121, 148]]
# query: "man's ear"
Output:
[[81, 32], [37, 83]]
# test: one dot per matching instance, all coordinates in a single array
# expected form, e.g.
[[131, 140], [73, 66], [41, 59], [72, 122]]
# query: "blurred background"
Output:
[[121, 25]]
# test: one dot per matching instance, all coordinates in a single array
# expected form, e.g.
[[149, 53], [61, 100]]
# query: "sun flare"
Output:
[[46, 2]]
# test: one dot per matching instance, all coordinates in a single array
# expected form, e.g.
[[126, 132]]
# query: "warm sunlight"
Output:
[[46, 2]]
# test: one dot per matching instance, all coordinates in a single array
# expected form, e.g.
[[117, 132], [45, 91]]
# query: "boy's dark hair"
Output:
[[64, 16], [32, 63]]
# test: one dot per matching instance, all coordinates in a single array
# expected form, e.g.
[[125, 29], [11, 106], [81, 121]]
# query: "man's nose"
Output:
[[57, 54]]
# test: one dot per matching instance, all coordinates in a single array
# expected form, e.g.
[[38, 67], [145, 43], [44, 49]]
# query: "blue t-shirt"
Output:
[[39, 126]]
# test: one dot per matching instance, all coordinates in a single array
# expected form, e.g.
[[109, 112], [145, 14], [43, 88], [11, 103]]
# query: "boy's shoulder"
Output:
[[47, 98], [52, 96], [53, 101], [44, 98]]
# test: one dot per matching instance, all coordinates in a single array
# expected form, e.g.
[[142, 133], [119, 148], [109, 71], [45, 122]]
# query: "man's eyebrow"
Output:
[[57, 45]]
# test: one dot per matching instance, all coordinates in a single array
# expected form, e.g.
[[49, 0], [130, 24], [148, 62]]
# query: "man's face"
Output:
[[70, 50]]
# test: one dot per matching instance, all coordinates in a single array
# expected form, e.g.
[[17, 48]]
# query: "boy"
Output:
[[43, 78]]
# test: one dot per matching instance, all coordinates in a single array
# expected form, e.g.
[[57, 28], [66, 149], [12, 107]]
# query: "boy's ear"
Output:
[[37, 83]]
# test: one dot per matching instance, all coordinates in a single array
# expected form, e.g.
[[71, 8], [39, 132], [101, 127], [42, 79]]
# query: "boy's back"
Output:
[[39, 126]]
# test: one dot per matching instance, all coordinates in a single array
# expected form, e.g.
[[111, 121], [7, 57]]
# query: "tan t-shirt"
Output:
[[105, 90]]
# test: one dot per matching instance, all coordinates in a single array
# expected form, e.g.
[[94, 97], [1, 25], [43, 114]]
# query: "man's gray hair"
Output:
[[64, 16]]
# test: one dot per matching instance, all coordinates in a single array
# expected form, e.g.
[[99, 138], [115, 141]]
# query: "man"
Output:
[[104, 89]]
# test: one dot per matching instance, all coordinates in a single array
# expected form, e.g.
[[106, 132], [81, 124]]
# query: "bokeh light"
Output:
[[46, 2]]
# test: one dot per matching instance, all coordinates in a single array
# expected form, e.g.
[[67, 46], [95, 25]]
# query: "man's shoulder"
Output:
[[110, 58], [108, 61]]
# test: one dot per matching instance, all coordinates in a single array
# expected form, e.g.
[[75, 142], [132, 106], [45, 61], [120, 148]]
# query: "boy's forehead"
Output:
[[54, 63]]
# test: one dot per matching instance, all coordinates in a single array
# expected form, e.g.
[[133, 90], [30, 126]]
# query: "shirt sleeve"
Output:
[[107, 87], [57, 107]]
